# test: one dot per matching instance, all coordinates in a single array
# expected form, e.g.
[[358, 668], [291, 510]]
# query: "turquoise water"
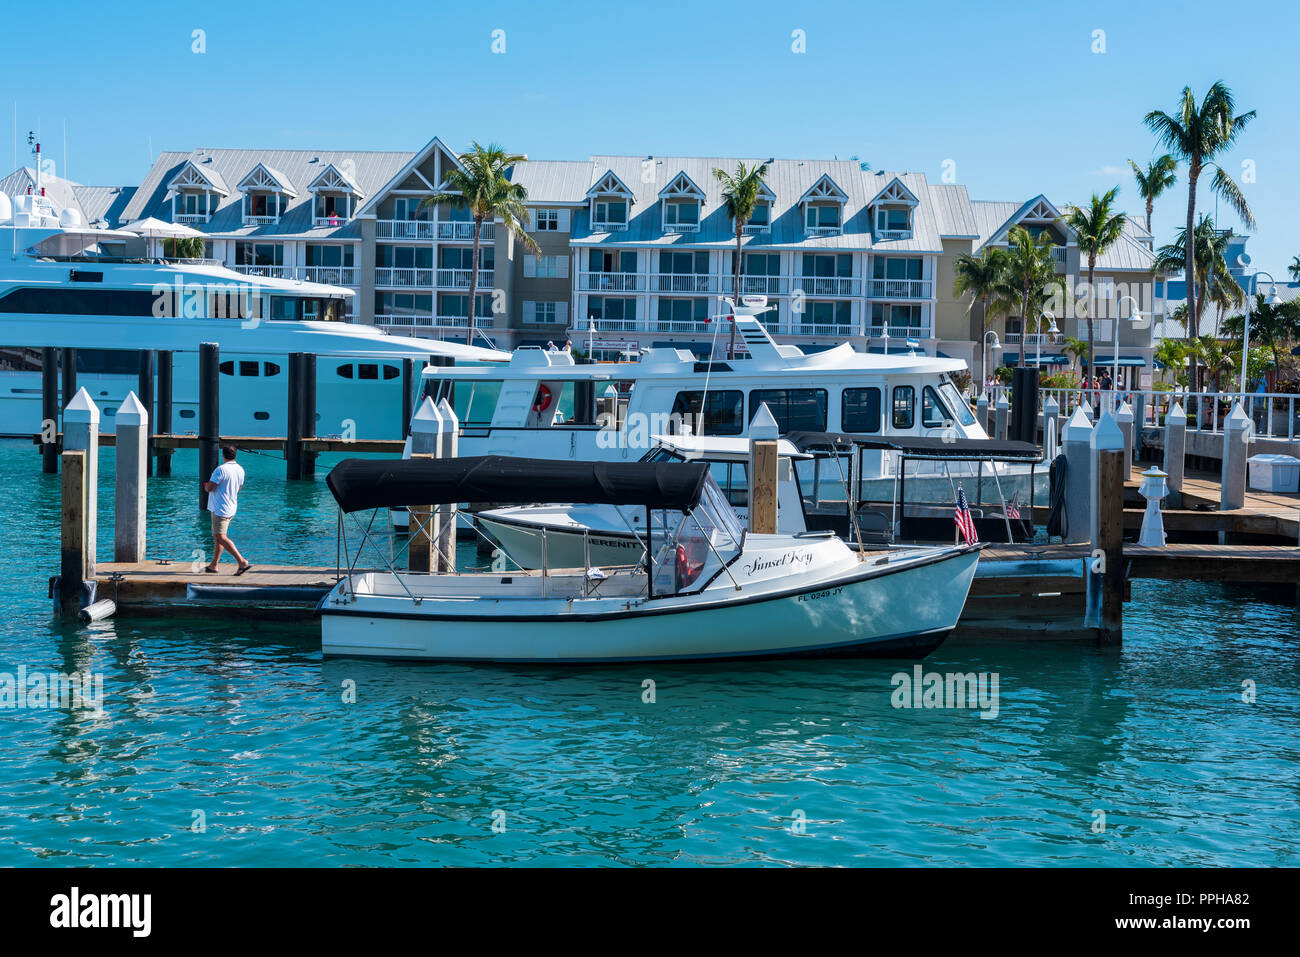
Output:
[[241, 719]]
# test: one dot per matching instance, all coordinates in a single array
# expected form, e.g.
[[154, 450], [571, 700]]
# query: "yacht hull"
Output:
[[892, 611]]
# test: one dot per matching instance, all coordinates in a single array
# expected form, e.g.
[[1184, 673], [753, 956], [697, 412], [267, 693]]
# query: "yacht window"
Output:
[[311, 309], [344, 371], [795, 410], [954, 401], [284, 307], [248, 368], [860, 410], [391, 372], [904, 406], [934, 414], [475, 401], [733, 480], [187, 413], [662, 455], [270, 368], [85, 302], [367, 370], [725, 414], [227, 367]]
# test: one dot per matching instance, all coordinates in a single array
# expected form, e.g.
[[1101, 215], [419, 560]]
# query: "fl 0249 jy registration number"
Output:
[[825, 593]]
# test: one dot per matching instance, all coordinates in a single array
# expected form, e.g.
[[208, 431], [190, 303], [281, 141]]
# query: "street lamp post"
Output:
[[1038, 353], [1135, 315], [1273, 300], [996, 343]]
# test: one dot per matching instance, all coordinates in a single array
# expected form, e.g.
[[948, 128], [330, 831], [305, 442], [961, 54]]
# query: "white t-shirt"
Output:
[[229, 479]]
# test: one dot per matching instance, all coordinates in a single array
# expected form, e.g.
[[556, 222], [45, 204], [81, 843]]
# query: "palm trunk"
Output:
[[1024, 327], [1092, 311], [1150, 204], [473, 280], [731, 349], [1189, 275]]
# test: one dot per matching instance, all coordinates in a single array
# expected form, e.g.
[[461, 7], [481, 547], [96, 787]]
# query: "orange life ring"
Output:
[[543, 399]]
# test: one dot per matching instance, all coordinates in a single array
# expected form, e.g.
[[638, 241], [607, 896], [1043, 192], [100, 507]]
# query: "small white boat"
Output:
[[705, 588], [566, 536]]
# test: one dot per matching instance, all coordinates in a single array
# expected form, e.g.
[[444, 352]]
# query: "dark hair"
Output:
[[227, 452]]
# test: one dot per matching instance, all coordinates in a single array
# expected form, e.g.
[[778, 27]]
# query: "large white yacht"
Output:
[[61, 286], [543, 404]]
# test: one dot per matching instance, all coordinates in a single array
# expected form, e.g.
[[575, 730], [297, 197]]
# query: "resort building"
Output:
[[634, 251]]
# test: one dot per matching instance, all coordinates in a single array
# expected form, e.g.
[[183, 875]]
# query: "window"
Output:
[[724, 415], [84, 302], [367, 370], [684, 263], [682, 214], [270, 368], [860, 410], [828, 313], [683, 310], [760, 264], [600, 260], [475, 401], [544, 312], [934, 414], [894, 220], [462, 257], [408, 207], [896, 267], [904, 406], [824, 215], [906, 317], [548, 220], [344, 371], [606, 307], [548, 267], [795, 410], [955, 402], [457, 306], [827, 265], [610, 212], [733, 480], [762, 215], [248, 368], [194, 204], [332, 255], [259, 254]]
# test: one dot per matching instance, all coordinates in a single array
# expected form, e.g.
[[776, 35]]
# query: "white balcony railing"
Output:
[[901, 288], [757, 285], [269, 272], [459, 278], [610, 282], [681, 227], [828, 285], [598, 227], [683, 282], [403, 229], [464, 232], [434, 322], [900, 333], [757, 229], [328, 221], [822, 230], [403, 276], [333, 275], [192, 219], [261, 220], [887, 234]]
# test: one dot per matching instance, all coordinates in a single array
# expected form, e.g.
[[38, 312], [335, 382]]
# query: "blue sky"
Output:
[[1012, 94]]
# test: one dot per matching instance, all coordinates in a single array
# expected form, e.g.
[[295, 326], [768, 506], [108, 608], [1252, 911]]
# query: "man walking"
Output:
[[223, 497]]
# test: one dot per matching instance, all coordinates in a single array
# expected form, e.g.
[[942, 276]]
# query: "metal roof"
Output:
[[554, 181], [104, 202], [952, 212], [370, 170]]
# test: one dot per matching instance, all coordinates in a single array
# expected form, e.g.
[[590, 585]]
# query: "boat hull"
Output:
[[903, 612]]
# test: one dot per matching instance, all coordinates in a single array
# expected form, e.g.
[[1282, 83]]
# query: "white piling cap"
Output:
[[1107, 436], [1125, 413], [1002, 401], [132, 412], [1238, 419], [1052, 404], [611, 392], [983, 399], [82, 409], [448, 414], [763, 427], [1077, 428], [1087, 410], [426, 418], [1176, 415]]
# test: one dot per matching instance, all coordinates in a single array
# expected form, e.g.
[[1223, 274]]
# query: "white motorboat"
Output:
[[706, 589], [567, 535]]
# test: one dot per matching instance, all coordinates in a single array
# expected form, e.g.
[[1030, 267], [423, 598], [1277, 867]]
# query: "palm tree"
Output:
[[1076, 349], [1030, 268], [1217, 360], [481, 184], [1170, 354], [1210, 269], [982, 276], [740, 195], [1294, 268], [1196, 136], [1154, 180], [1270, 325], [1096, 229]]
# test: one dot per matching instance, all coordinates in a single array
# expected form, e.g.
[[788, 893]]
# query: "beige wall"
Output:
[[950, 319]]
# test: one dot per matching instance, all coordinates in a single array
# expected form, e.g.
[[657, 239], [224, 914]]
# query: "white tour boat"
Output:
[[61, 288], [611, 534], [706, 589]]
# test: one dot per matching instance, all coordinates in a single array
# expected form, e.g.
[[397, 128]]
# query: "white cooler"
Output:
[[1274, 473]]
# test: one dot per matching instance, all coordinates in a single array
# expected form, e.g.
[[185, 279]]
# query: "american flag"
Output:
[[1013, 506], [963, 518]]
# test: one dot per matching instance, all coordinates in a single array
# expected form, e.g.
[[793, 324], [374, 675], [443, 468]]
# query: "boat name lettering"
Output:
[[791, 559]]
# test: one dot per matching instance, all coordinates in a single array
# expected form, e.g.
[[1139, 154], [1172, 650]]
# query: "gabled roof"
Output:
[[1039, 209], [414, 160], [198, 175], [895, 192], [609, 185], [334, 178], [681, 185], [262, 176], [824, 188], [952, 210]]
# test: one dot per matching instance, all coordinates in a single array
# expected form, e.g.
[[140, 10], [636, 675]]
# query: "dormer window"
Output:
[[891, 211], [267, 193], [610, 203], [197, 191], [681, 200], [334, 196], [760, 220], [823, 205], [893, 221]]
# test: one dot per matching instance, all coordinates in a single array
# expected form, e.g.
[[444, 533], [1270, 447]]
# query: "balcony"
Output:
[[901, 288], [268, 272], [434, 322], [332, 275], [319, 222], [610, 282], [828, 285], [757, 285], [757, 229], [403, 276], [681, 227], [459, 278], [884, 235], [683, 282], [403, 229], [900, 333], [260, 220], [814, 231], [601, 227], [191, 219], [841, 329], [464, 232]]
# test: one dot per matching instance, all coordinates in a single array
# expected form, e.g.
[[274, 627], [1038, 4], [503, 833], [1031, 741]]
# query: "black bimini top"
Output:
[[505, 480], [918, 445]]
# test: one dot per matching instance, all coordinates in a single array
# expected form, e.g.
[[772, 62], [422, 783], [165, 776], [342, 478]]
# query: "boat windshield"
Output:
[[697, 545]]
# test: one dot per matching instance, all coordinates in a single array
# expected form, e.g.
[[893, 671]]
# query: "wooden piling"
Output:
[[72, 564], [448, 448], [209, 413], [144, 393], [81, 434], [420, 538], [1111, 469], [763, 464], [49, 411], [293, 420], [163, 422], [307, 373]]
